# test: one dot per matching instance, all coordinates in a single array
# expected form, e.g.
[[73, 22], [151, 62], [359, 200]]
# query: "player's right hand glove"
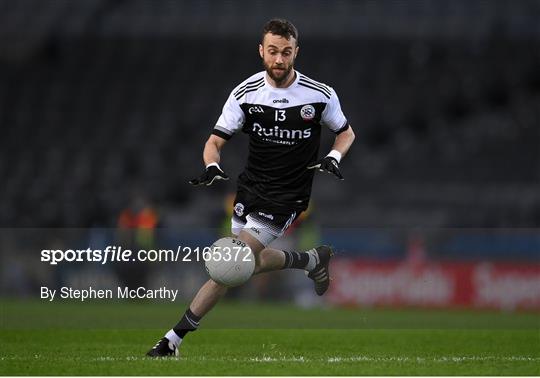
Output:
[[212, 173], [327, 164]]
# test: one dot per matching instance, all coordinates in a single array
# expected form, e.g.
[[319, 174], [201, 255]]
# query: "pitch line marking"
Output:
[[300, 359]]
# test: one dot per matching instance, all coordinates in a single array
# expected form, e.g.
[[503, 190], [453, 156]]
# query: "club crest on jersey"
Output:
[[307, 112], [239, 209]]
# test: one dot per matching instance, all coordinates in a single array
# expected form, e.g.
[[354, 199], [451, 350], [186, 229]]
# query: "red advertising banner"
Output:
[[478, 285]]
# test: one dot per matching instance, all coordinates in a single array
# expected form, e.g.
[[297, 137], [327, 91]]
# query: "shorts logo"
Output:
[[239, 209], [255, 109], [256, 230], [269, 216], [307, 112]]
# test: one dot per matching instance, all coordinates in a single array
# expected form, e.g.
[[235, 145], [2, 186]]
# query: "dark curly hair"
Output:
[[281, 27]]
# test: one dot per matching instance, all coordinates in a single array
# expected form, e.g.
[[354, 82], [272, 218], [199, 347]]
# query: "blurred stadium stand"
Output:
[[105, 103], [99, 99]]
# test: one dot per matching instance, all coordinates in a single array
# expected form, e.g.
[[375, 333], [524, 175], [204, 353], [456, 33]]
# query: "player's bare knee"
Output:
[[255, 245]]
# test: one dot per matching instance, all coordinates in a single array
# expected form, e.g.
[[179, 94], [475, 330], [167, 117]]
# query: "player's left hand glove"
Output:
[[212, 173], [327, 164]]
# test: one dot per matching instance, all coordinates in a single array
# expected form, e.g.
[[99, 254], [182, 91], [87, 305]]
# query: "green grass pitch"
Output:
[[104, 338]]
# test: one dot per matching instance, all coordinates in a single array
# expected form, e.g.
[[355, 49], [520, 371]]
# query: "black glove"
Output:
[[327, 164], [207, 178]]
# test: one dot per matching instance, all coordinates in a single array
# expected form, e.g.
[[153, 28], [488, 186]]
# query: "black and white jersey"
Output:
[[284, 127]]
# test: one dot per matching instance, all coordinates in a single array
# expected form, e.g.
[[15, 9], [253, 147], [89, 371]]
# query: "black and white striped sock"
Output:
[[188, 323], [300, 260]]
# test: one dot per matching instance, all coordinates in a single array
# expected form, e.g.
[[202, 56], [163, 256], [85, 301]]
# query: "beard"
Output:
[[278, 76]]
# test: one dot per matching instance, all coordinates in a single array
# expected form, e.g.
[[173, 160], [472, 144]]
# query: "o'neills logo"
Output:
[[281, 133], [281, 101]]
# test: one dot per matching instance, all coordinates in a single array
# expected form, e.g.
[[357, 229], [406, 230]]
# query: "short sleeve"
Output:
[[332, 116], [231, 119]]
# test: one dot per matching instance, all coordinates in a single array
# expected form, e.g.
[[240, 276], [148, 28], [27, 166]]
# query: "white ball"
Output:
[[230, 262]]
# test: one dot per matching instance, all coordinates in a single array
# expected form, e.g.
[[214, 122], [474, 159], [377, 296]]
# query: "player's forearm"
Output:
[[344, 141], [211, 153], [212, 149]]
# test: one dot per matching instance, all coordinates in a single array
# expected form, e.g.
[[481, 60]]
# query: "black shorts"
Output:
[[264, 220]]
